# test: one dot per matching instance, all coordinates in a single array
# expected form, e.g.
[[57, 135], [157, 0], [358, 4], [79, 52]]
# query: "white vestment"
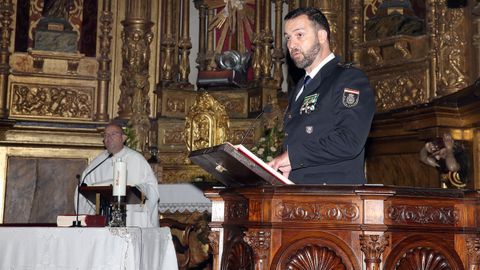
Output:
[[139, 174]]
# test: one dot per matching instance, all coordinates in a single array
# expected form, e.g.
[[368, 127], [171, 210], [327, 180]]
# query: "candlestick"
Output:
[[119, 178]]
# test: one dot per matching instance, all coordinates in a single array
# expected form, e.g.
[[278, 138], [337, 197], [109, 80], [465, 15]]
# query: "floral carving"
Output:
[[175, 105], [236, 210], [373, 247], [399, 91], [48, 101], [473, 251], [422, 258], [315, 257], [423, 214], [318, 211], [259, 241]]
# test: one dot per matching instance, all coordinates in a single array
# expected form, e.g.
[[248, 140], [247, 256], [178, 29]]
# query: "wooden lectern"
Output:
[[101, 195], [256, 225]]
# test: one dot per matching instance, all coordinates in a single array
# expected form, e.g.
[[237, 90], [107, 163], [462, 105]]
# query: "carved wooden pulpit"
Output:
[[266, 225], [344, 227]]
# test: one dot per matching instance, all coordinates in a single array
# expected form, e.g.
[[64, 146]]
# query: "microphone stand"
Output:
[[266, 109], [76, 222]]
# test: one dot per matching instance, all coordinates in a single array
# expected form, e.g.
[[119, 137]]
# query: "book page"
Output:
[[242, 149]]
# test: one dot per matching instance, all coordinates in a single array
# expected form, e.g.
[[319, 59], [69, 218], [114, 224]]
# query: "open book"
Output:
[[236, 166], [262, 164]]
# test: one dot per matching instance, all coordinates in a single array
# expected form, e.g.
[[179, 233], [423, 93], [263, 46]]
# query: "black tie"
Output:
[[306, 80]]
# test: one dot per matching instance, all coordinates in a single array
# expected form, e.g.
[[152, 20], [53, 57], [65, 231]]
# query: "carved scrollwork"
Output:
[[402, 46], [423, 258], [318, 211], [403, 90], [422, 214], [452, 47], [52, 101], [236, 210], [315, 257]]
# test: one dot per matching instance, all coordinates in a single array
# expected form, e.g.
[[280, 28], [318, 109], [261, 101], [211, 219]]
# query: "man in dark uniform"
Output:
[[329, 114]]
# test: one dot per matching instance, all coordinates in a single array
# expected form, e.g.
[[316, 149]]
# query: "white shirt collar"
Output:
[[327, 59]]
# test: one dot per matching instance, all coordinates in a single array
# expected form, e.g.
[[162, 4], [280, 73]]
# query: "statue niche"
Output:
[[54, 32]]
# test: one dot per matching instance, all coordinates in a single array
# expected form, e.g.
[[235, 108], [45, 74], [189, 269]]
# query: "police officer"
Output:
[[329, 114]]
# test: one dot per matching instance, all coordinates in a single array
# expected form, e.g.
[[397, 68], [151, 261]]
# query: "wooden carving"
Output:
[[236, 210], [238, 255], [45, 101], [423, 258], [259, 241], [400, 90], [422, 214], [373, 247], [314, 257], [473, 251], [317, 211]]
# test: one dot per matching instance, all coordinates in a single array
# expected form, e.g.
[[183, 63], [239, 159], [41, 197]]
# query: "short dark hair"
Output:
[[314, 15]]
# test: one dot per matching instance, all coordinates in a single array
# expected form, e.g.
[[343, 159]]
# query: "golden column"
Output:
[[355, 32], [104, 61], [202, 30], [168, 44], [257, 41], [185, 45], [267, 42], [134, 102], [278, 55], [6, 12]]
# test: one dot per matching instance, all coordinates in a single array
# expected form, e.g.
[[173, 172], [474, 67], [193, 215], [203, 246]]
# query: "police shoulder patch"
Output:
[[350, 97]]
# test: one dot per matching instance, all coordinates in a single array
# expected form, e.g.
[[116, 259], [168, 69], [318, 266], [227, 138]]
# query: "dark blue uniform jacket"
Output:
[[327, 127]]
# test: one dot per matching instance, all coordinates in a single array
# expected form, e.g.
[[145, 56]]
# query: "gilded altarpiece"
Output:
[[413, 54]]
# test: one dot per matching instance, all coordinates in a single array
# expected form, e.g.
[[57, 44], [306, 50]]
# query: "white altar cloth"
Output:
[[55, 248], [181, 198]]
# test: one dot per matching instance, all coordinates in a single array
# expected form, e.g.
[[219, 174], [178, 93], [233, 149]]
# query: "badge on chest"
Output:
[[309, 103]]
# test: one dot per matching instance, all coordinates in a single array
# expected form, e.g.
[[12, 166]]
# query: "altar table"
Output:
[[56, 248]]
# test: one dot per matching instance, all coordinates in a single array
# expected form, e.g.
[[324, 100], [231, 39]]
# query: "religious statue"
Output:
[[450, 159], [55, 8]]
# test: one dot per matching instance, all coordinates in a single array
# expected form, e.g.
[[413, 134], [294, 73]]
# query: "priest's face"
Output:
[[113, 139]]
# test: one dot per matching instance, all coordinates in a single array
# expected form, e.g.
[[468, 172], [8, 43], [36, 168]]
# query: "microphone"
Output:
[[267, 109], [77, 223]]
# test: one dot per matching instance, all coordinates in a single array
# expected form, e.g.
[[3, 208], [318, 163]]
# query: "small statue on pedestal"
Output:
[[450, 159]]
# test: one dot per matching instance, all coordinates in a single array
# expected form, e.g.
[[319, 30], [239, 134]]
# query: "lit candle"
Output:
[[119, 178]]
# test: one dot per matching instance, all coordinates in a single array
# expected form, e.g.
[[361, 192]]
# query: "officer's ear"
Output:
[[124, 138], [322, 36]]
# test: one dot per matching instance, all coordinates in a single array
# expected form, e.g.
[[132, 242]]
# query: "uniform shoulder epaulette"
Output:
[[346, 65]]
